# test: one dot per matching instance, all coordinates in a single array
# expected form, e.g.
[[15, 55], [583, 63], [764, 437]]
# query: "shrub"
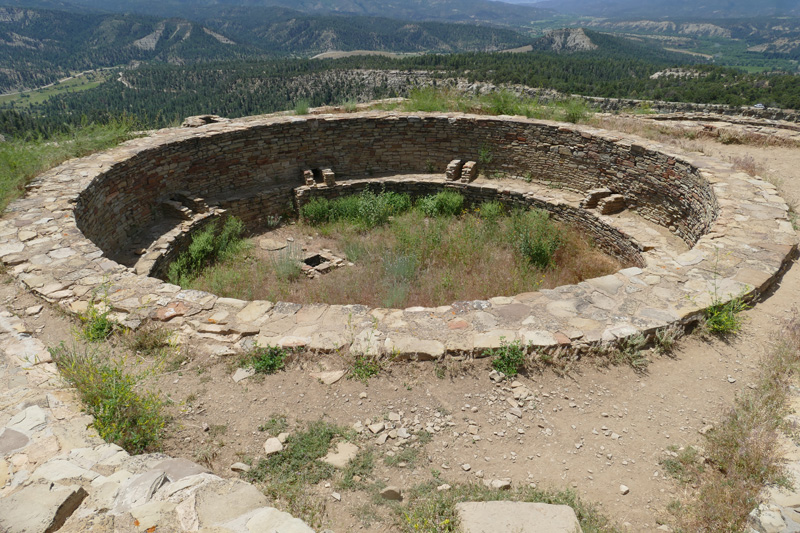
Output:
[[445, 203], [288, 474], [573, 110], [265, 359], [149, 339], [509, 358], [286, 264], [96, 324], [317, 211], [207, 247], [364, 367], [535, 237], [491, 211], [301, 107], [722, 318], [121, 415], [366, 209]]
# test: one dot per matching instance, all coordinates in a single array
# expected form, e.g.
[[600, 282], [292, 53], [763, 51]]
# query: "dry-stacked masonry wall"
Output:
[[62, 239], [252, 171]]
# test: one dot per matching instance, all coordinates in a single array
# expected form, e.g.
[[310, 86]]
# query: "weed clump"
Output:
[[364, 367], [264, 359], [366, 209], [97, 327], [122, 415], [286, 475], [208, 246], [509, 358], [535, 237], [723, 318], [444, 204]]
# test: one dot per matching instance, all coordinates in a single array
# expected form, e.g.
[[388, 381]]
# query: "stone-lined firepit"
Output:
[[112, 219]]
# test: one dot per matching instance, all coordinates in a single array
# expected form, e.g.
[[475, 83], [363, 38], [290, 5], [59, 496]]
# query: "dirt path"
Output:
[[591, 430]]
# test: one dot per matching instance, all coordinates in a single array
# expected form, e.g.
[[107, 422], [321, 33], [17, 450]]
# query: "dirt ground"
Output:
[[592, 430]]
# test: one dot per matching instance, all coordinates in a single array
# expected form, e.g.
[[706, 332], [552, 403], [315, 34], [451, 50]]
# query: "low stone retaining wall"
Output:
[[61, 241]]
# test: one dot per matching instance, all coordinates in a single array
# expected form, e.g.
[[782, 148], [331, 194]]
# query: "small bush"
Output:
[[301, 107], [364, 367], [208, 246], [366, 209], [485, 155], [573, 110], [491, 211], [286, 264], [265, 359], [442, 204], [630, 352], [723, 318], [97, 326], [317, 211], [122, 415], [535, 237], [509, 358], [287, 475]]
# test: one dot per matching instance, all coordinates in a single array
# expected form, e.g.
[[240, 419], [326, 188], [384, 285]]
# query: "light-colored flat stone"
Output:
[[519, 517], [39, 508], [330, 377], [345, 452]]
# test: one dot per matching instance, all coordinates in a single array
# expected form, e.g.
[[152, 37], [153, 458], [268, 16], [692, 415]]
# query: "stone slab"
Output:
[[519, 517]]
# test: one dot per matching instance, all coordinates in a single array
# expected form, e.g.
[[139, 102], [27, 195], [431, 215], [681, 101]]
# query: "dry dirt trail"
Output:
[[591, 430]]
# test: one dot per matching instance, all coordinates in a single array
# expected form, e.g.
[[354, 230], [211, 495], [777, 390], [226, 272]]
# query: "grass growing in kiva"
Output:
[[431, 252]]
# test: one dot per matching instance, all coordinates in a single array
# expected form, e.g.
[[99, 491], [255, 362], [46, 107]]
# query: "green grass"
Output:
[[503, 102], [364, 367], [362, 465], [208, 246], [403, 254], [724, 318], [264, 359], [122, 414], [22, 160], [286, 476], [509, 358], [81, 82], [276, 425]]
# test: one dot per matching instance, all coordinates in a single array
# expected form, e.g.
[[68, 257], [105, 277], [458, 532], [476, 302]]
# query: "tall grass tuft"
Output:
[[208, 246], [535, 237]]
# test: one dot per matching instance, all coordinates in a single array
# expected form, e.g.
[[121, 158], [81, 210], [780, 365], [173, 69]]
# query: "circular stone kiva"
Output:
[[103, 226]]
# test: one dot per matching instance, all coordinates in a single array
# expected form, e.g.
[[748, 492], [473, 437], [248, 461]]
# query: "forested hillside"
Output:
[[473, 11], [38, 47], [159, 95]]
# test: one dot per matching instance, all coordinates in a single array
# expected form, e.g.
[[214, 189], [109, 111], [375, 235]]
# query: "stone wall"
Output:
[[60, 239], [252, 171]]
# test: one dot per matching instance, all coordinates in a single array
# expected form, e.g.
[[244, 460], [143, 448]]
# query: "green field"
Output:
[[81, 82]]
